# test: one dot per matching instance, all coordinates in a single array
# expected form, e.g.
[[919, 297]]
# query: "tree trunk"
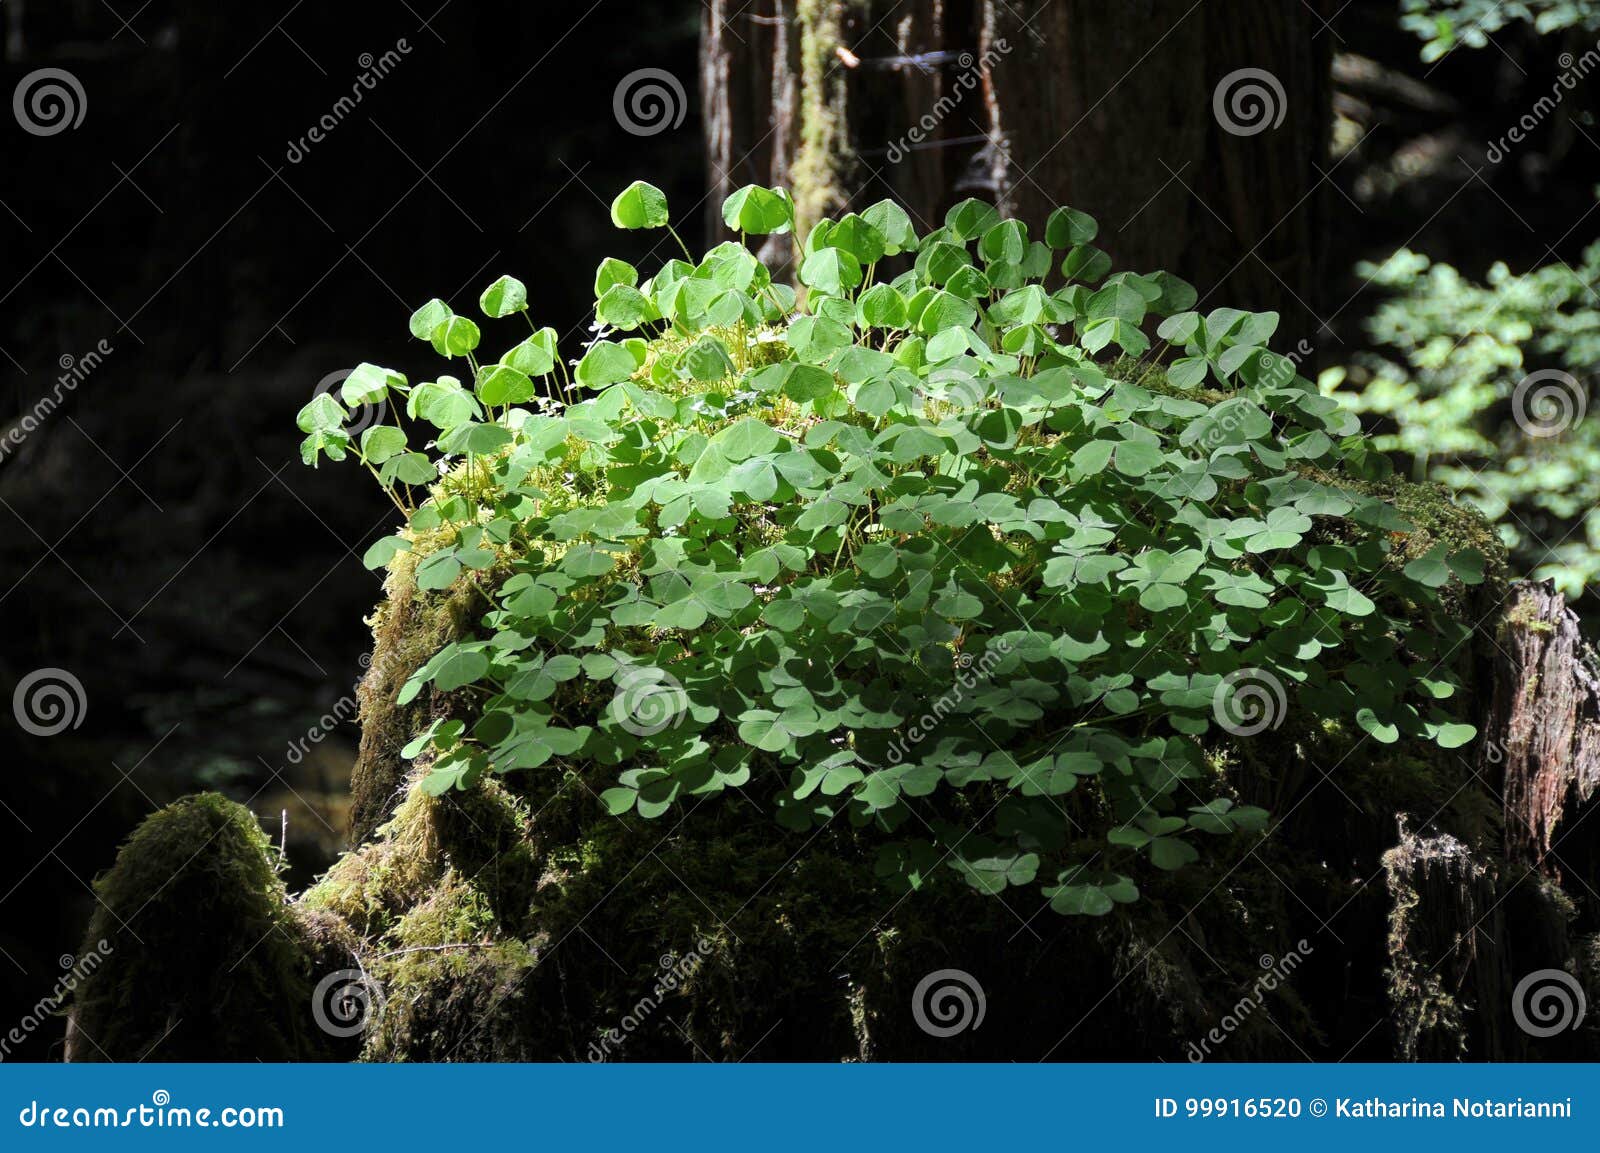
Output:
[[1476, 939], [1131, 112], [1543, 737]]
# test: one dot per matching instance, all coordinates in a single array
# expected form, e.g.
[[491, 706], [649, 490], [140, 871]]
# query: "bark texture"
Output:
[[1468, 925], [1442, 908], [1131, 112], [1543, 736], [515, 922]]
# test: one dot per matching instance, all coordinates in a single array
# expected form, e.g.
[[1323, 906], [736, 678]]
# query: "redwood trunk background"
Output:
[[1108, 108]]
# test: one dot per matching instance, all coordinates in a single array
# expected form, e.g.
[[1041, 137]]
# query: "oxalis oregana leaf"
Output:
[[937, 537]]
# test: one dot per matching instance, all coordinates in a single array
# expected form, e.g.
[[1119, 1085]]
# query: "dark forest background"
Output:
[[159, 537]]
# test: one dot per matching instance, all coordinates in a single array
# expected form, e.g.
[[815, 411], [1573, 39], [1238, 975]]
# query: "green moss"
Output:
[[1439, 519], [489, 835], [408, 627], [433, 902], [206, 961], [450, 981], [1152, 375], [818, 176], [1429, 1019], [1524, 615], [521, 920], [372, 886]]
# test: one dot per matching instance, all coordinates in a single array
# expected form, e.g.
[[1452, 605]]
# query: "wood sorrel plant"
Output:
[[914, 551]]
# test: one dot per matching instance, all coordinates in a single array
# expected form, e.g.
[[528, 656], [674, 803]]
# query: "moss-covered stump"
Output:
[[1464, 933], [509, 927], [205, 958], [1480, 931], [521, 921]]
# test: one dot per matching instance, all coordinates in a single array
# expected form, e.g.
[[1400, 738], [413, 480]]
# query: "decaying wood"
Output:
[[1466, 925], [1445, 972], [1542, 740]]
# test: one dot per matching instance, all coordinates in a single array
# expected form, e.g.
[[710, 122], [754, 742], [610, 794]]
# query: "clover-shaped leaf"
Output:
[[505, 296], [640, 205], [759, 211]]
